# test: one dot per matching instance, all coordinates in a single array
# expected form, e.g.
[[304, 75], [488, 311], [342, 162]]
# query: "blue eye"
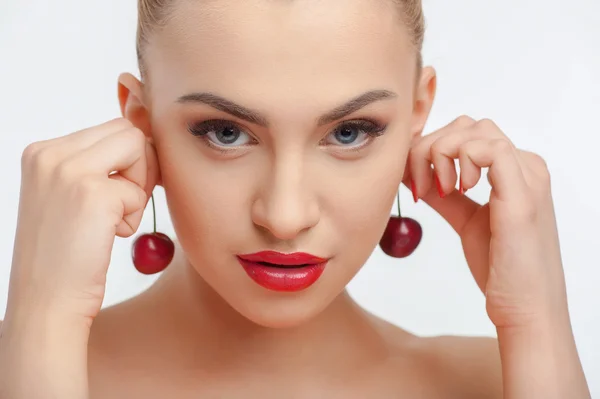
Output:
[[354, 133], [221, 133], [347, 135]]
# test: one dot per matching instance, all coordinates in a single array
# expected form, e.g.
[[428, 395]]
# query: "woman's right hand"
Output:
[[78, 192]]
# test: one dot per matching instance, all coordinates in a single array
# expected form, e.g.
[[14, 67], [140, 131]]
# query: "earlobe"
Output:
[[424, 98], [130, 93]]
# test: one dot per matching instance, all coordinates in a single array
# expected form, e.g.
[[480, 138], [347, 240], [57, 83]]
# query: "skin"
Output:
[[207, 330]]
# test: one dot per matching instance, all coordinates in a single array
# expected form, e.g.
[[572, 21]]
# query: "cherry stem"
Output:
[[154, 212], [398, 202]]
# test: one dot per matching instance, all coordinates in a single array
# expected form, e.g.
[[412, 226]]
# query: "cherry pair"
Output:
[[152, 252]]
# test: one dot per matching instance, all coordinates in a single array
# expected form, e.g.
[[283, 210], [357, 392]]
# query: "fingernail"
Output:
[[439, 186], [413, 188], [460, 187]]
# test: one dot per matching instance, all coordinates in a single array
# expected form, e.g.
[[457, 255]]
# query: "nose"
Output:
[[286, 205]]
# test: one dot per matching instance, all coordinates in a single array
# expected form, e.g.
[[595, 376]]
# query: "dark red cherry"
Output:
[[152, 253], [401, 237]]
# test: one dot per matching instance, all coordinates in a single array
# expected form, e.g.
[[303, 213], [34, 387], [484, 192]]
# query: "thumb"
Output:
[[459, 211], [154, 176]]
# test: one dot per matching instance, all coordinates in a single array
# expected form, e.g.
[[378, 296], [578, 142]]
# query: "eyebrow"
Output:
[[257, 118]]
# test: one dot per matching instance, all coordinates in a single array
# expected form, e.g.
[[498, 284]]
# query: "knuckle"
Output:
[[135, 137], [30, 152], [437, 146], [545, 180], [463, 152], [487, 124], [142, 198], [37, 158], [463, 120], [419, 151], [120, 123], [502, 146], [133, 192], [539, 177], [540, 166]]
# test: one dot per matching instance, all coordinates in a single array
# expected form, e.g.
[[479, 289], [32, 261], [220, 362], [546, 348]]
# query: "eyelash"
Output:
[[370, 127]]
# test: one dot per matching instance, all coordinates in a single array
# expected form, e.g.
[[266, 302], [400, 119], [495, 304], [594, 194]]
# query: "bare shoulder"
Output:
[[460, 367]]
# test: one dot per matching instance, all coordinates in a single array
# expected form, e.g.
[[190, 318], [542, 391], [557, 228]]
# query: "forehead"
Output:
[[290, 46]]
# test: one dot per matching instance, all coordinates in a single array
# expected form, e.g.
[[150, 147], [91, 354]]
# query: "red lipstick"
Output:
[[283, 272]]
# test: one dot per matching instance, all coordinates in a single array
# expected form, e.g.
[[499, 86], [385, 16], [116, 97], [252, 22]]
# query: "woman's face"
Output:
[[282, 126]]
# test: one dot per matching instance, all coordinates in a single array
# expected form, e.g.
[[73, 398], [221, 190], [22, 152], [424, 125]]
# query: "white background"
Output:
[[531, 65]]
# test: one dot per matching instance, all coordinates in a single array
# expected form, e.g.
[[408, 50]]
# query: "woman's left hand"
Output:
[[511, 243]]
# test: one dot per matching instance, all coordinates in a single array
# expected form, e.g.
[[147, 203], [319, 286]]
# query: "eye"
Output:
[[220, 133], [354, 133]]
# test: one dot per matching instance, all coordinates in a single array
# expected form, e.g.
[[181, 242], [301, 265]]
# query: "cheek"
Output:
[[360, 199], [204, 200], [360, 207]]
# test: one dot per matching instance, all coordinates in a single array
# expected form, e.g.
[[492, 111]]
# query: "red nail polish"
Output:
[[462, 188], [413, 188], [439, 186]]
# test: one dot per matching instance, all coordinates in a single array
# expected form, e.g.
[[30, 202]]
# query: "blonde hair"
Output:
[[153, 14]]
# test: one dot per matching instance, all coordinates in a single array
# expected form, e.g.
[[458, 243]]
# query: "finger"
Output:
[[446, 149], [535, 168], [133, 202], [478, 257], [73, 142], [421, 159], [89, 136], [131, 222], [504, 173], [137, 169], [123, 152], [469, 173], [153, 169], [457, 209]]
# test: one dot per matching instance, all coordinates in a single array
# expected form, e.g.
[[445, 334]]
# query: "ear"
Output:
[[133, 107], [424, 96], [131, 100]]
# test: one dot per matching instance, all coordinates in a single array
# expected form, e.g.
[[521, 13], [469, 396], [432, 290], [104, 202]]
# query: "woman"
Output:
[[280, 132]]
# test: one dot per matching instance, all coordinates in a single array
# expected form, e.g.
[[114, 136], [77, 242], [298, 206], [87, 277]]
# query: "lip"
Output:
[[281, 259], [283, 272]]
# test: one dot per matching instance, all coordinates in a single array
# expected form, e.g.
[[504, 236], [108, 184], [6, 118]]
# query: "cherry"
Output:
[[402, 236], [152, 252]]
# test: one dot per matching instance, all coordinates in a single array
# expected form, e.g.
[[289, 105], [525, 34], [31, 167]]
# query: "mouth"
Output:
[[283, 272]]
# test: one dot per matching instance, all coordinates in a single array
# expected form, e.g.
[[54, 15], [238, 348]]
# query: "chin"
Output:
[[273, 308], [279, 313]]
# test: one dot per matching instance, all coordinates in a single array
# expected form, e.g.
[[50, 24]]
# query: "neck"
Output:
[[199, 321]]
